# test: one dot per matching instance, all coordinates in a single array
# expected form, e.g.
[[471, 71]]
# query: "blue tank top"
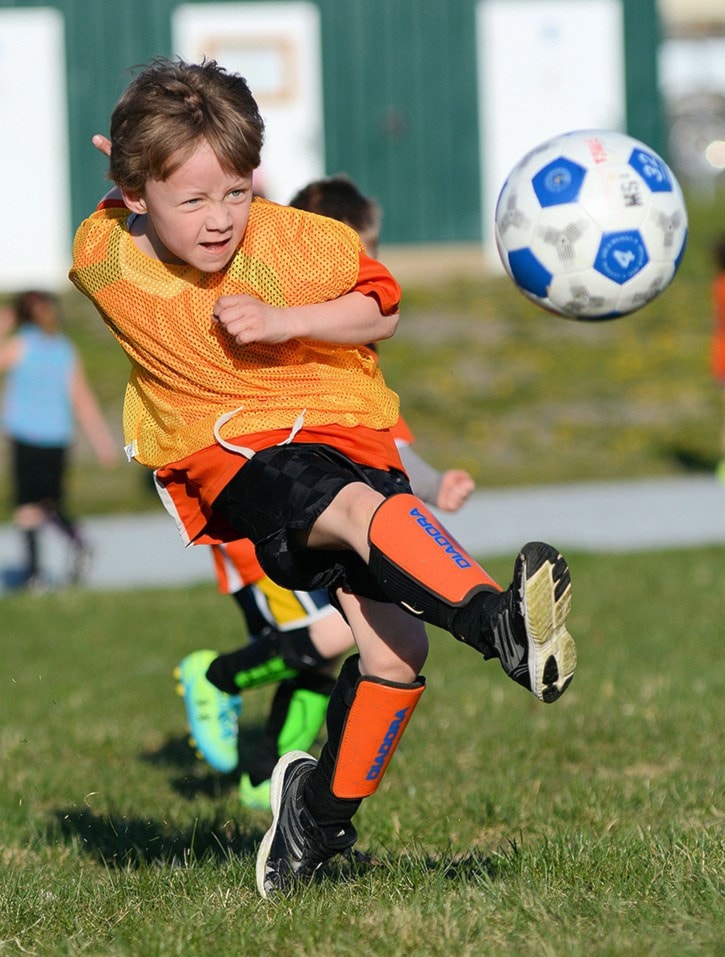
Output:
[[37, 406]]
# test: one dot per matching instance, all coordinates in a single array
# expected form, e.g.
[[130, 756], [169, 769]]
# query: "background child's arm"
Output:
[[90, 419], [10, 346]]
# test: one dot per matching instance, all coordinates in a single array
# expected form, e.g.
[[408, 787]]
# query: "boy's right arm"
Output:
[[353, 319]]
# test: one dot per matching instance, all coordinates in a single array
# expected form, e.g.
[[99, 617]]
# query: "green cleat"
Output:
[[212, 715], [254, 797]]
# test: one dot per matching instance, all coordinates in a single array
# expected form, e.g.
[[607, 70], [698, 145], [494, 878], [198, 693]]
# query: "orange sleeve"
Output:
[[374, 280], [111, 202], [718, 339], [402, 433]]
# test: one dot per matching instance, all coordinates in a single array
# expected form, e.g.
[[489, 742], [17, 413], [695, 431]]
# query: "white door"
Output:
[[544, 67], [276, 47], [34, 164]]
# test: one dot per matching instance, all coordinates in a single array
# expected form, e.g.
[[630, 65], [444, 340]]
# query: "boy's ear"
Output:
[[133, 201]]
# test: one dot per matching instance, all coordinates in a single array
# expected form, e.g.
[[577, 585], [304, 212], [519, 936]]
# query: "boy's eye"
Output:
[[238, 193]]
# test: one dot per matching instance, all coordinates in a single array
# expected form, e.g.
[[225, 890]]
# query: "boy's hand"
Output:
[[102, 144], [456, 486], [247, 320]]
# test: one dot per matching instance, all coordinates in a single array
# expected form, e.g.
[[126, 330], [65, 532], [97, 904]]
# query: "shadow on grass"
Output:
[[173, 753], [199, 779], [125, 842], [131, 843], [692, 459], [474, 868]]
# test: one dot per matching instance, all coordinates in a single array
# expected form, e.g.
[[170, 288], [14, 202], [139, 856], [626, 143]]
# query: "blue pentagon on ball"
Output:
[[529, 273], [558, 182], [652, 170], [621, 255]]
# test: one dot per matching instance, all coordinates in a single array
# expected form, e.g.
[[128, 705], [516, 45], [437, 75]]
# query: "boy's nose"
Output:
[[219, 218]]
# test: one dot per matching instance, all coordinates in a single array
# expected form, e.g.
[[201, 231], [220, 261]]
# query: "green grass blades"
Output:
[[504, 826]]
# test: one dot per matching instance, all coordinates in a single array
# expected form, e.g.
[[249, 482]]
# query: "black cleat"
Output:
[[295, 845]]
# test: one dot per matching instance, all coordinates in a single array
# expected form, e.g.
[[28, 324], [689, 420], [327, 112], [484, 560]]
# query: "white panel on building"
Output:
[[34, 164], [276, 47], [544, 67]]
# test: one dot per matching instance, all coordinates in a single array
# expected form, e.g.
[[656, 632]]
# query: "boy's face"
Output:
[[197, 215]]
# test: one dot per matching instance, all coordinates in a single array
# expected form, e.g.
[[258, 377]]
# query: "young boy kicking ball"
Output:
[[264, 416], [297, 637]]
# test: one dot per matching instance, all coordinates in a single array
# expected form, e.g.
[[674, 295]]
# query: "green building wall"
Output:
[[400, 98]]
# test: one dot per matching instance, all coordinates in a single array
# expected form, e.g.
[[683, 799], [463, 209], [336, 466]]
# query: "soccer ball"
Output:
[[591, 225]]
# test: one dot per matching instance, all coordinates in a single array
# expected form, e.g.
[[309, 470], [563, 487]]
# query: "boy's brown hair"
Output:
[[168, 108]]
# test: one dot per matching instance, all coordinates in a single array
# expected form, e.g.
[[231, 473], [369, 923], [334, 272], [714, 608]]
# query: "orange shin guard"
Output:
[[418, 562], [375, 723]]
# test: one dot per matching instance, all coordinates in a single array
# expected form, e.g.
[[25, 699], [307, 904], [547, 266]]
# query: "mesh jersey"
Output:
[[187, 373]]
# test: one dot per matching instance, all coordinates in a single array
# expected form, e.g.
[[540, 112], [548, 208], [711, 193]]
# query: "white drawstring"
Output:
[[243, 450]]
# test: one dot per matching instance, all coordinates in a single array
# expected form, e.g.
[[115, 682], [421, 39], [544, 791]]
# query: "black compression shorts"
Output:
[[285, 488]]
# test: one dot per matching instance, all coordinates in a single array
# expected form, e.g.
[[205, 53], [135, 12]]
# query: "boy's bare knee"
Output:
[[346, 520]]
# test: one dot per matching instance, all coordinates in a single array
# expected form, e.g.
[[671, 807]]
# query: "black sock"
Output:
[[322, 804]]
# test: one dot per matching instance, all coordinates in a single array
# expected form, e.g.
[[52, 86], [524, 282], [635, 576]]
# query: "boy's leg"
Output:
[[324, 509], [426, 571], [313, 802]]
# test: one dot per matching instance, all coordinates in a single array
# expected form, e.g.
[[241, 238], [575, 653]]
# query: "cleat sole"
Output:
[[545, 601]]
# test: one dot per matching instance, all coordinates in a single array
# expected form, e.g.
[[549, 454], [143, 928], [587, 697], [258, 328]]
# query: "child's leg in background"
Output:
[[296, 638]]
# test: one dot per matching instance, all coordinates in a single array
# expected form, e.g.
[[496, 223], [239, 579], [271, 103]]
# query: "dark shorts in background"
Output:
[[37, 472], [285, 488]]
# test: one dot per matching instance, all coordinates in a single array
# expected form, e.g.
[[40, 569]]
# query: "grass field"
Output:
[[590, 827]]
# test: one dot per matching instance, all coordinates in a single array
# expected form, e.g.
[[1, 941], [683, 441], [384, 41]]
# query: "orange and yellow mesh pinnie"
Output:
[[188, 375]]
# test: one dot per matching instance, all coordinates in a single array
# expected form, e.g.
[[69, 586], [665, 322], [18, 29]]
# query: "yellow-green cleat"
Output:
[[254, 797], [212, 715]]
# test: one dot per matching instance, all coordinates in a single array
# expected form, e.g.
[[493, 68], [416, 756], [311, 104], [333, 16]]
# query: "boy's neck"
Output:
[[147, 242]]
